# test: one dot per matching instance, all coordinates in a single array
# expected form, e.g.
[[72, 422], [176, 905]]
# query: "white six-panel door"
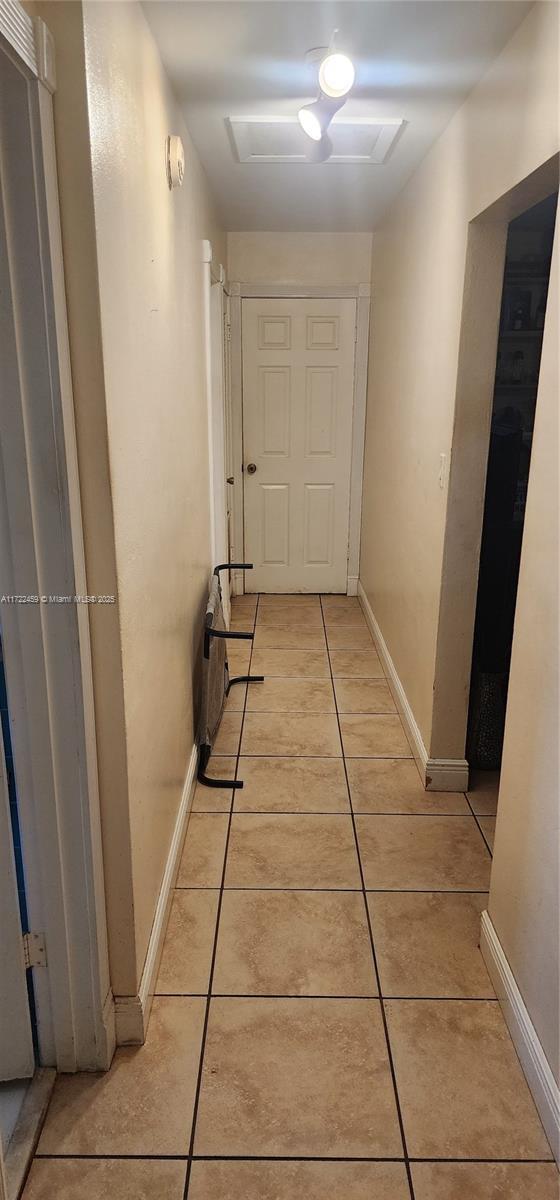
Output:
[[298, 383]]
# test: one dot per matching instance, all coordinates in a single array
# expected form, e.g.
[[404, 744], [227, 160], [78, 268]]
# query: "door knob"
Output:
[[251, 468]]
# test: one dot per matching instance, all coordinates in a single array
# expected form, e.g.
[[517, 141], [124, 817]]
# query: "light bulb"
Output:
[[310, 122], [336, 75]]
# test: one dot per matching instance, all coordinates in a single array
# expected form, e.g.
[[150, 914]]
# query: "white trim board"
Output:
[[437, 774], [132, 1013], [541, 1081], [295, 291]]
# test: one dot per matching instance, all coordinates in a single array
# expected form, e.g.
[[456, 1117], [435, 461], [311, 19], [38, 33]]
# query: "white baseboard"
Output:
[[446, 775], [352, 585], [132, 1013], [437, 774], [544, 1089]]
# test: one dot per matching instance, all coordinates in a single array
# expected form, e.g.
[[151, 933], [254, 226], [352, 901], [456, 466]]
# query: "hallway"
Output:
[[324, 1027]]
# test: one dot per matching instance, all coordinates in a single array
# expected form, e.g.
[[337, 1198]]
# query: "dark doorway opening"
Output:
[[524, 296]]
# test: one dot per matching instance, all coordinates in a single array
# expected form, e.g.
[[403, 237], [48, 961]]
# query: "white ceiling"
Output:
[[415, 60]]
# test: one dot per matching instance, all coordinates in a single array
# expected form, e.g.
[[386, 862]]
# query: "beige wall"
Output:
[[133, 261], [319, 259], [507, 128], [152, 315]]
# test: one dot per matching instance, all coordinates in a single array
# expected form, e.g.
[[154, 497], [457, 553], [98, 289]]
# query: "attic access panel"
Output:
[[281, 139]]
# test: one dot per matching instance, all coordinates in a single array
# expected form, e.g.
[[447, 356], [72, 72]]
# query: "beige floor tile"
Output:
[[485, 1181], [307, 618], [292, 785], [338, 616], [302, 851], [483, 792], [227, 738], [354, 664], [374, 736], [302, 664], [289, 599], [143, 1105], [296, 1077], [235, 702], [430, 853], [203, 853], [364, 696], [294, 944], [349, 637], [282, 637], [98, 1179], [391, 785], [299, 1181], [350, 603], [291, 695], [239, 656], [244, 623], [248, 600], [461, 1088], [488, 826], [427, 943], [187, 950], [208, 799], [291, 733]]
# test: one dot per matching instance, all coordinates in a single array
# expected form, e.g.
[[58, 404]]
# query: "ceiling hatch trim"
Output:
[[272, 139]]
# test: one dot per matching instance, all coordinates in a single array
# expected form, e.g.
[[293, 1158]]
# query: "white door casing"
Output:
[[46, 645], [298, 386], [217, 446]]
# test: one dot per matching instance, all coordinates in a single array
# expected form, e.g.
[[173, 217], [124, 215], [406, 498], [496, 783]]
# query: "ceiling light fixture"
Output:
[[320, 151], [310, 122], [336, 78], [336, 75], [316, 117]]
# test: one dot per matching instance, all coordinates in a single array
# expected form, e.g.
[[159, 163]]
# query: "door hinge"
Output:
[[34, 950]]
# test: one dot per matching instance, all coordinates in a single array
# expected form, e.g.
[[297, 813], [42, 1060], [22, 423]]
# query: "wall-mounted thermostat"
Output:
[[175, 159]]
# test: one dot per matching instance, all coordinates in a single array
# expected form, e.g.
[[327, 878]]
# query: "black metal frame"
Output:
[[205, 751]]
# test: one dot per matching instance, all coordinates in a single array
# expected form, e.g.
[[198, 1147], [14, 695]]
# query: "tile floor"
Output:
[[324, 1027]]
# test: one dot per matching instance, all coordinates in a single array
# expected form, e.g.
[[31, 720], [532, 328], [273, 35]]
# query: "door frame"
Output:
[[482, 297], [361, 293], [47, 651], [216, 399]]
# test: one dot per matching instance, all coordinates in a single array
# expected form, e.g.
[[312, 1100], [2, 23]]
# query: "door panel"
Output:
[[298, 384], [318, 524]]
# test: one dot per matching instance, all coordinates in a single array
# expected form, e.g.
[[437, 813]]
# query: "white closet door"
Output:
[[298, 385]]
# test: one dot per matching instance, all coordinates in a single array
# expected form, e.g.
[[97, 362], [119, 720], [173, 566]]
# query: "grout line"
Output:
[[374, 956], [216, 933], [279, 1158], [321, 996], [369, 891], [331, 757], [309, 812], [478, 825]]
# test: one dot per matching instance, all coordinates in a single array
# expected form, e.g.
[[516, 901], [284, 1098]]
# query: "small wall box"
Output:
[[175, 161]]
